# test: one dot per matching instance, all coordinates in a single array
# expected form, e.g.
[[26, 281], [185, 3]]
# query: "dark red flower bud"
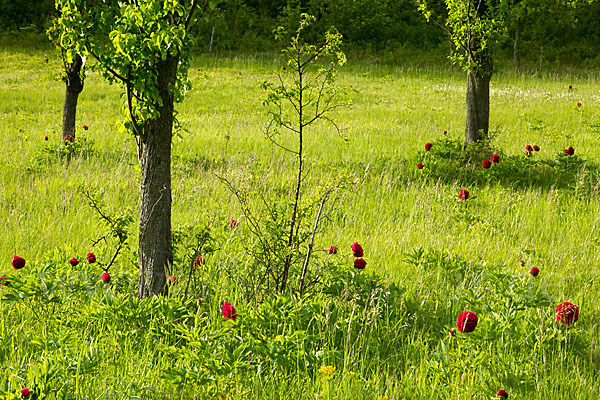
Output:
[[428, 146], [229, 311], [467, 321], [486, 163], [18, 262], [568, 313], [534, 271], [495, 158], [106, 277], [73, 261], [91, 258], [333, 250], [464, 194], [357, 250], [502, 393], [360, 263], [420, 165]]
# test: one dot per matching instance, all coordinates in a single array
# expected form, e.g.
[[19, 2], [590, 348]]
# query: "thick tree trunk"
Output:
[[155, 244], [478, 106], [516, 55], [74, 86]]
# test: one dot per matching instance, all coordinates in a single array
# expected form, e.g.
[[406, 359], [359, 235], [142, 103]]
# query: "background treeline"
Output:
[[389, 30]]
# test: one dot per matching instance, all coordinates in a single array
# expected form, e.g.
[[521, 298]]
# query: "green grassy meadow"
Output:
[[444, 254]]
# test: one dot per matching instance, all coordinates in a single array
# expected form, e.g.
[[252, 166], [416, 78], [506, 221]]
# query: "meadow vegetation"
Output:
[[378, 333]]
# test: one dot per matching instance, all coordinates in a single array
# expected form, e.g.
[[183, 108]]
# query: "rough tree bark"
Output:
[[478, 106], [155, 242], [74, 86], [516, 48]]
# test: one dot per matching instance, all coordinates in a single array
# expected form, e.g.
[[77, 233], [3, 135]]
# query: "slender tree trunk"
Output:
[[74, 86], [478, 106], [516, 48], [155, 242]]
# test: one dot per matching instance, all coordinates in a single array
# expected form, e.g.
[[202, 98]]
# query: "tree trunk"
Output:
[[516, 55], [478, 106], [155, 243], [74, 86]]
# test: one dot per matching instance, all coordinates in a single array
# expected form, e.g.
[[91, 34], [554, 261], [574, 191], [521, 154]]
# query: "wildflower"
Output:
[[464, 194], [106, 277], [327, 370], [536, 147], [69, 138], [3, 281], [233, 224], [486, 164], [502, 393], [91, 258], [534, 271], [25, 392], [229, 311], [529, 148], [332, 250], [570, 151], [172, 278], [578, 104], [357, 249], [198, 261], [495, 158], [18, 262], [428, 146], [466, 322], [85, 127], [568, 313], [46, 138], [360, 263], [445, 132], [73, 261], [570, 86], [420, 165], [452, 332]]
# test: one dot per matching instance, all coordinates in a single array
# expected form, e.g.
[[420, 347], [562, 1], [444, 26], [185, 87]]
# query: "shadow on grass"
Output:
[[448, 161]]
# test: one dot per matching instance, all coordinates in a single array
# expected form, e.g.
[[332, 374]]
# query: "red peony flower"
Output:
[[333, 250], [18, 262], [360, 263], [357, 250], [3, 281], [495, 158], [568, 313], [198, 261], [467, 321], [46, 138], [464, 194], [233, 224], [229, 311], [570, 151], [46, 59], [528, 148], [502, 393], [534, 271], [420, 165], [445, 132], [26, 392], [428, 146], [199, 69], [283, 68], [486, 163], [91, 258], [106, 277], [69, 138], [85, 127], [73, 261], [522, 263], [570, 86], [528, 153], [578, 104]]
